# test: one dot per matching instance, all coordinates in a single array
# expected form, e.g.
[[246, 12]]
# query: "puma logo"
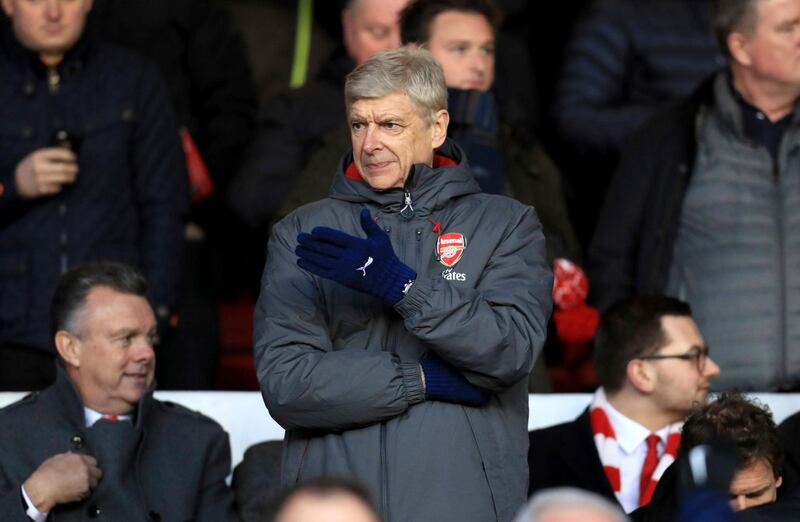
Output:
[[364, 268]]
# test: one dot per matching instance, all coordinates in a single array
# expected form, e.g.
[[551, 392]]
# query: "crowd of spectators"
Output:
[[583, 205]]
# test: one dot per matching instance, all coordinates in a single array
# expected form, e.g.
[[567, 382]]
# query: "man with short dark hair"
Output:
[[653, 367], [91, 168], [96, 443], [731, 436], [484, 114], [705, 199], [759, 449]]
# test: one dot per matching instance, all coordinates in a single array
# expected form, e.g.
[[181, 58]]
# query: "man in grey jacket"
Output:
[[401, 358], [705, 203]]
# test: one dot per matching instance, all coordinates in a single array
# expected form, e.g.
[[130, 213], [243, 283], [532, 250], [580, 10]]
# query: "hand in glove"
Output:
[[367, 265], [445, 383]]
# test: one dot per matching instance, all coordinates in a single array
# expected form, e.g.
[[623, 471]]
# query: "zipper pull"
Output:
[[408, 210]]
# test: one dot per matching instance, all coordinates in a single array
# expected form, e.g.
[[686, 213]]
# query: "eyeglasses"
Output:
[[698, 354]]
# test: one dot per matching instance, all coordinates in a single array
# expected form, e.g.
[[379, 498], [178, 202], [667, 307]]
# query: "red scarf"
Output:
[[610, 453]]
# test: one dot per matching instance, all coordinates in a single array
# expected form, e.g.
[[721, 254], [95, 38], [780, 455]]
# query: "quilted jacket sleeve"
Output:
[[494, 332], [304, 382]]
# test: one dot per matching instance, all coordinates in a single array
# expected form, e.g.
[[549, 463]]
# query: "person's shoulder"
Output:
[[123, 65], [191, 421], [790, 425], [506, 206], [555, 432], [329, 212], [17, 416], [505, 211], [21, 407], [559, 432]]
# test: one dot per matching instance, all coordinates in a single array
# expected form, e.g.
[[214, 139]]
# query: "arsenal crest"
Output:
[[449, 248]]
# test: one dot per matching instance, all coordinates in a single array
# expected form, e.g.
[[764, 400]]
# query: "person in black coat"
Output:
[[91, 168], [653, 367], [96, 443]]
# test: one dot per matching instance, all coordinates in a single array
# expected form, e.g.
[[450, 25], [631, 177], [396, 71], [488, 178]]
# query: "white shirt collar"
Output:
[[630, 434], [91, 416]]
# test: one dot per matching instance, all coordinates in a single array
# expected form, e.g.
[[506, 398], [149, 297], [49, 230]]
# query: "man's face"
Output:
[[49, 27], [114, 361], [336, 507], [389, 136], [370, 26], [773, 48], [754, 485], [463, 43], [679, 384]]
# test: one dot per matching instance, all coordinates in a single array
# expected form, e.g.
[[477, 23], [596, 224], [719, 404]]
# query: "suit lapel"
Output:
[[580, 454]]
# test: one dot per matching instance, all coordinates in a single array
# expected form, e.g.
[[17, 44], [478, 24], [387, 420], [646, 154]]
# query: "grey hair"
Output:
[[551, 499], [413, 72], [728, 16]]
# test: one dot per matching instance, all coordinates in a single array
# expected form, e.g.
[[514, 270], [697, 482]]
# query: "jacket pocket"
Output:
[[14, 286]]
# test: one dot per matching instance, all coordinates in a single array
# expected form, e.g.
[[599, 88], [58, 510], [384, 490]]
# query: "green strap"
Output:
[[302, 43]]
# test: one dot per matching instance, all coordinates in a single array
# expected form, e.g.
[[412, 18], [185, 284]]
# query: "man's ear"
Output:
[[439, 128], [779, 481], [641, 376], [69, 348], [738, 48]]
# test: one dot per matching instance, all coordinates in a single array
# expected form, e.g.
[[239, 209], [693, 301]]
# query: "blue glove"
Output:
[[444, 383], [367, 265]]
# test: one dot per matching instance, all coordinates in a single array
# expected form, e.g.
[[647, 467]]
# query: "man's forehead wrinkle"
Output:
[[371, 115]]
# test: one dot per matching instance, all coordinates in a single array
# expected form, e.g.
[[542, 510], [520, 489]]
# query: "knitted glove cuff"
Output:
[[445, 383], [394, 278]]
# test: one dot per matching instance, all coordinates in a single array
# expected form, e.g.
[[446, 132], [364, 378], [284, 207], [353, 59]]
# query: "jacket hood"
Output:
[[430, 188]]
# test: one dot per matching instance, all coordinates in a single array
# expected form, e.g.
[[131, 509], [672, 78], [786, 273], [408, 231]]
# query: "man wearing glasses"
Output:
[[653, 368]]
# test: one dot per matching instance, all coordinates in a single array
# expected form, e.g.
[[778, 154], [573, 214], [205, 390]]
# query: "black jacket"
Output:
[[204, 63], [626, 61], [565, 455], [176, 473], [631, 251], [130, 196], [292, 127]]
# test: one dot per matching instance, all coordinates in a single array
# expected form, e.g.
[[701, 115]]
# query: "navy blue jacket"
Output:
[[130, 198], [627, 60]]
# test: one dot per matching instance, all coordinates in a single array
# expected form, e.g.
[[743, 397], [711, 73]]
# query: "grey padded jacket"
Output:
[[338, 369]]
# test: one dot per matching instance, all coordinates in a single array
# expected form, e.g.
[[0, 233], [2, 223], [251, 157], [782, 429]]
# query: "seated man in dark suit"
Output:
[[653, 367], [748, 478], [96, 443]]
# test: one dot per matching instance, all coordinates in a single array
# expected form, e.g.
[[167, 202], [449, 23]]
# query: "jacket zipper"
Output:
[[407, 212], [778, 206]]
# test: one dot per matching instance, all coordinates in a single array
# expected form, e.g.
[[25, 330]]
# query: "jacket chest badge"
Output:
[[450, 247]]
